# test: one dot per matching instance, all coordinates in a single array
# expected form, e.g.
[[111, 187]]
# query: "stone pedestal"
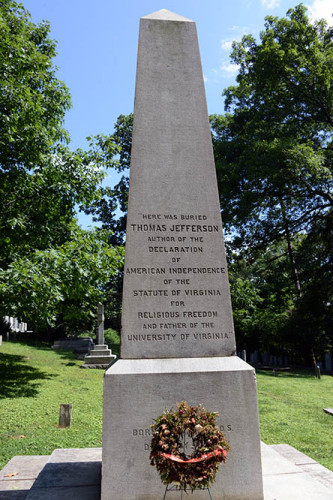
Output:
[[136, 391], [99, 357]]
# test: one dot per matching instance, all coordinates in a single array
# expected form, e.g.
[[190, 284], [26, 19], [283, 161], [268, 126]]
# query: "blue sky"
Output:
[[97, 49]]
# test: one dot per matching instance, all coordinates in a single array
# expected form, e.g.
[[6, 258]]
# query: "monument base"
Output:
[[99, 357], [137, 391]]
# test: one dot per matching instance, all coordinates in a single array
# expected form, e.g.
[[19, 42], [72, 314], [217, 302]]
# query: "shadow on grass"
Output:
[[306, 373], [17, 378], [46, 346]]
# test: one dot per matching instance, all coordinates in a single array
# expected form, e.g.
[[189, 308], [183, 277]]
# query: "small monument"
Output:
[[100, 356], [177, 341]]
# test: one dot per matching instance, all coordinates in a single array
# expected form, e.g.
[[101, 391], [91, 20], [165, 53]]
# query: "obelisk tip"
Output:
[[166, 15]]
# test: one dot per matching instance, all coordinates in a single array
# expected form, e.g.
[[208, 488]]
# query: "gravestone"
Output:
[[65, 415], [80, 345], [177, 339], [265, 358], [328, 361], [100, 355], [254, 357]]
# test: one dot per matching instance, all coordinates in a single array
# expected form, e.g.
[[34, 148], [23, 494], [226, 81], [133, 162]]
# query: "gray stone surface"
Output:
[[100, 324], [293, 455], [86, 492], [99, 355], [69, 474], [75, 455], [285, 481], [13, 495], [176, 299], [101, 352], [305, 464], [136, 391], [22, 485], [295, 481], [27, 467]]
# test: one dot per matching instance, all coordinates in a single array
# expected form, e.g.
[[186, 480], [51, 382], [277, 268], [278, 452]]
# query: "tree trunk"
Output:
[[290, 251]]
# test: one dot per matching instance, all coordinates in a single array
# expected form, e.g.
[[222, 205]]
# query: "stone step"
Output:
[[18, 476], [74, 474], [103, 352], [95, 360], [70, 474], [100, 347], [305, 464], [287, 478]]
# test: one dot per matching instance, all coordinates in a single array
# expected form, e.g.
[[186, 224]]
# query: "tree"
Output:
[[51, 271], [274, 147], [114, 200], [33, 101], [274, 153], [61, 285]]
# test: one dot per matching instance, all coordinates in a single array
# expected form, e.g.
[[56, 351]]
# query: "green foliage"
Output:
[[51, 272], [274, 153], [32, 100], [263, 301], [38, 206], [111, 336], [59, 283], [106, 209], [275, 170]]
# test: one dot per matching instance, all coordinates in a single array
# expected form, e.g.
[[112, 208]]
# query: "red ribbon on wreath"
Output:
[[202, 458]]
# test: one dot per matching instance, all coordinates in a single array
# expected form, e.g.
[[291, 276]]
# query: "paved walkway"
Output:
[[75, 474]]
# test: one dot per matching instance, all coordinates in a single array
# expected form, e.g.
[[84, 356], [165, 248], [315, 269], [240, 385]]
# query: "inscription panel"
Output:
[[176, 299], [145, 435]]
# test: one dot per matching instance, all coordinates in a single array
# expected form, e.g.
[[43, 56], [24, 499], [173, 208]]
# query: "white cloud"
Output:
[[270, 4], [321, 9], [229, 69], [226, 44], [205, 78], [237, 35]]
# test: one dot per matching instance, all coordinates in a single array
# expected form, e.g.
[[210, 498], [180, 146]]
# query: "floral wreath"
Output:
[[168, 446]]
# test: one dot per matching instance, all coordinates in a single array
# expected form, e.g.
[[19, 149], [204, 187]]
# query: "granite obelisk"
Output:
[[177, 339], [175, 259]]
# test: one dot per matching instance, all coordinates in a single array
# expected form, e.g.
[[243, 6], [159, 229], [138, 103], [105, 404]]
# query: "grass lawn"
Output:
[[34, 380], [291, 411]]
